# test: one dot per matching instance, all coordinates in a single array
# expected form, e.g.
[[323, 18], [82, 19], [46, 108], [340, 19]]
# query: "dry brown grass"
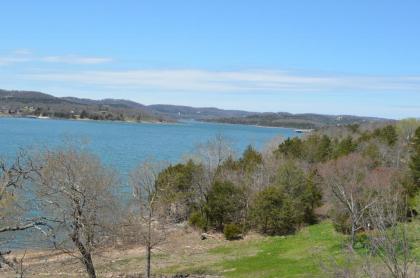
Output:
[[183, 252]]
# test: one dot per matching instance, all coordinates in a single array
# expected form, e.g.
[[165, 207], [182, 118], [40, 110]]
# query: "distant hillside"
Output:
[[186, 112], [116, 103], [309, 121], [29, 103]]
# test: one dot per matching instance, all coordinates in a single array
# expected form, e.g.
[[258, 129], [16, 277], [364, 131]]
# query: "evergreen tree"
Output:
[[389, 135], [176, 184], [250, 159], [345, 147], [291, 148], [225, 202], [271, 212], [324, 149]]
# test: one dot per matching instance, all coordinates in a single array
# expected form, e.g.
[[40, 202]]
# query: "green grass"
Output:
[[297, 255], [308, 253]]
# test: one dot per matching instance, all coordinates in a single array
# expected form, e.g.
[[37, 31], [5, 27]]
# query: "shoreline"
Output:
[[86, 120], [296, 129], [177, 122], [254, 125]]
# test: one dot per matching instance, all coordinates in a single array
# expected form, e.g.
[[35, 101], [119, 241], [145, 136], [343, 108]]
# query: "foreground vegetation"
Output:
[[315, 251], [364, 179], [280, 256]]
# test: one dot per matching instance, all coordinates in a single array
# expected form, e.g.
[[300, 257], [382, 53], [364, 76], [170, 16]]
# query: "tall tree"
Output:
[[76, 194]]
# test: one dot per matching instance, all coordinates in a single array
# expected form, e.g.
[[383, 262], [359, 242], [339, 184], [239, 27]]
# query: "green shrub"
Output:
[[232, 232], [362, 240], [225, 204], [274, 213], [197, 220]]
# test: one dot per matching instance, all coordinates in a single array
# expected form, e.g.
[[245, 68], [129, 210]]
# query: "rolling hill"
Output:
[[24, 103]]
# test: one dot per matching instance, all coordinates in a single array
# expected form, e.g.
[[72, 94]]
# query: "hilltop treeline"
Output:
[[27, 103], [364, 178], [308, 121], [24, 103]]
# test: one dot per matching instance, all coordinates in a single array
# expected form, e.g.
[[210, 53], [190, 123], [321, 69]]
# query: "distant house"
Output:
[[29, 109], [4, 110]]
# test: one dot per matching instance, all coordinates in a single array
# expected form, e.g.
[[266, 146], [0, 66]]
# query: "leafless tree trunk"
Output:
[[388, 235], [344, 180], [385, 225], [75, 193], [148, 213], [12, 181]]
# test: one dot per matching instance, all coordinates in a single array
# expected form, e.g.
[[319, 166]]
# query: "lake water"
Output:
[[124, 145]]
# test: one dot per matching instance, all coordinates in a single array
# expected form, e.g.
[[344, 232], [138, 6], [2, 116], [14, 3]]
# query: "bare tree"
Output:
[[406, 128], [272, 145], [148, 213], [210, 156], [12, 206], [75, 193], [388, 237], [344, 181]]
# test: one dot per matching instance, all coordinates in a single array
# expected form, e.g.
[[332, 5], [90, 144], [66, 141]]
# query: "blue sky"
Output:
[[336, 57]]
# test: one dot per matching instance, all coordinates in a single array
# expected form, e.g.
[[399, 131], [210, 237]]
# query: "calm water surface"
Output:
[[124, 145], [121, 145]]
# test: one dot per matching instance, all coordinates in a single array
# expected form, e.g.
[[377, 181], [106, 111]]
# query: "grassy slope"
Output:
[[306, 254], [291, 256], [297, 255]]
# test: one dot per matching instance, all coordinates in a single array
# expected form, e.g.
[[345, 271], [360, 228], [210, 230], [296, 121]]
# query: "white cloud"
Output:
[[25, 56], [73, 59], [194, 80]]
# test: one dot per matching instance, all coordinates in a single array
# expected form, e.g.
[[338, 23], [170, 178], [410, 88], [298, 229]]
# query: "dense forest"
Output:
[[365, 179]]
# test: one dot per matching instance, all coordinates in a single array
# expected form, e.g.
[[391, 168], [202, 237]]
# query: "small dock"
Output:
[[303, 130]]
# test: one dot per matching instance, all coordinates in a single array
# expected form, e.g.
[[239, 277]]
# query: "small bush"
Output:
[[232, 232], [362, 240], [197, 220], [341, 221]]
